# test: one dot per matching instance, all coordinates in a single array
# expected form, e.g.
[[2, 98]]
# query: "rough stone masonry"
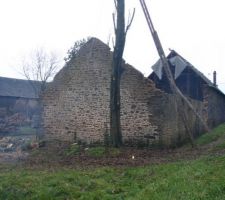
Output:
[[76, 105]]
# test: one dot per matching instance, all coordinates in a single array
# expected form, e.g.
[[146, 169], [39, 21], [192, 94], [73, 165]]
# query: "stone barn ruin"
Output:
[[76, 104]]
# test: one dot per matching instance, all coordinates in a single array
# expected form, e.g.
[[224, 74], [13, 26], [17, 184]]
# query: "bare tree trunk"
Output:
[[120, 32], [115, 129]]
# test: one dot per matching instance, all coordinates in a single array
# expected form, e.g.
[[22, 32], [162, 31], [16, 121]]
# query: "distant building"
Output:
[[18, 104]]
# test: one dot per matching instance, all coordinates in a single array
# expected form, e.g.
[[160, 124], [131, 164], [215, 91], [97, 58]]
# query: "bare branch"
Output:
[[41, 66], [114, 22], [130, 20], [25, 72], [115, 3], [113, 42], [109, 38]]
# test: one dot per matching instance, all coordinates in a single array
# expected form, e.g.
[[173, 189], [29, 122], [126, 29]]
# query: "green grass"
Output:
[[96, 151], [213, 135], [74, 149], [100, 151], [186, 180], [219, 146]]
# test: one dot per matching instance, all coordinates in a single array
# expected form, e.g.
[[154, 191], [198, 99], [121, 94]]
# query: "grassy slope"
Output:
[[214, 135], [197, 179], [200, 179]]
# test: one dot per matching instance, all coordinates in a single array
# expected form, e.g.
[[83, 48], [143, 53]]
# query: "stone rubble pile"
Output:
[[10, 144]]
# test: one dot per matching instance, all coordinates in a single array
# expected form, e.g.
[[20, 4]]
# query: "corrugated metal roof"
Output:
[[19, 88]]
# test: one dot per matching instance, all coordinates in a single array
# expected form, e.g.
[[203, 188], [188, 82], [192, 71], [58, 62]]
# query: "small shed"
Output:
[[192, 83]]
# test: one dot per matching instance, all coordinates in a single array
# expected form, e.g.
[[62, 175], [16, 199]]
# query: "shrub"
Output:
[[96, 151], [74, 149]]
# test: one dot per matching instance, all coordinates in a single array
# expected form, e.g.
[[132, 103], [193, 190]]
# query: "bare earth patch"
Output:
[[53, 155], [13, 157], [61, 154]]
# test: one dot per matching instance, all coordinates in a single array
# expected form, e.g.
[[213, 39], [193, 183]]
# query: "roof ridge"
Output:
[[18, 79], [207, 80]]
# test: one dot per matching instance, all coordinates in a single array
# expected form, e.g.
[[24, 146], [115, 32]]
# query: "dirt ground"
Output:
[[12, 157], [53, 155]]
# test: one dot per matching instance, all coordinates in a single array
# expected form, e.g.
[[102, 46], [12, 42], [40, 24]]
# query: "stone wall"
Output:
[[149, 116], [173, 129], [138, 95], [77, 104], [214, 101]]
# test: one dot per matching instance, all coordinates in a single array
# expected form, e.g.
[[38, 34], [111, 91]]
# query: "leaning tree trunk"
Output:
[[179, 97], [115, 129]]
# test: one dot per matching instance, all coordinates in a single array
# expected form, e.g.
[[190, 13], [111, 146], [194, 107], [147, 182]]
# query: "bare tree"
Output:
[[38, 69], [120, 32], [40, 66]]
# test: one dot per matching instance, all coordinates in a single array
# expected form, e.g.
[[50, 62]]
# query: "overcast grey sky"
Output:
[[194, 28]]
